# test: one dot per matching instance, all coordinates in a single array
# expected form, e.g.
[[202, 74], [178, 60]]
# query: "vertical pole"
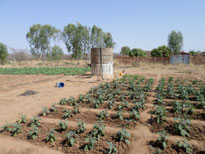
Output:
[[101, 68]]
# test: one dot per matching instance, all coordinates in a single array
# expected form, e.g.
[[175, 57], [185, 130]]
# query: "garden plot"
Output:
[[111, 116], [179, 113], [101, 121]]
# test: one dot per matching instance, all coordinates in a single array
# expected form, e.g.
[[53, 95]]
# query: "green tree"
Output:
[[175, 42], [108, 40], [39, 37], [97, 37], [3, 53], [161, 51], [76, 39], [136, 52], [56, 53], [125, 50], [192, 52]]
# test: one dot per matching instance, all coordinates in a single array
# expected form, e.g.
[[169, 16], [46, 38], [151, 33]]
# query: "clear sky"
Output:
[[136, 23]]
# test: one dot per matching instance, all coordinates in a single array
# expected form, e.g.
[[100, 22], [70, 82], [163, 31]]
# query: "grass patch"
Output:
[[45, 70]]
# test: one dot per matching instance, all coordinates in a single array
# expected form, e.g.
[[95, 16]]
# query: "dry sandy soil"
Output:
[[12, 104]]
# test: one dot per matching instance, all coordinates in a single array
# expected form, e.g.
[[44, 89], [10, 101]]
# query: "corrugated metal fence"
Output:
[[180, 59]]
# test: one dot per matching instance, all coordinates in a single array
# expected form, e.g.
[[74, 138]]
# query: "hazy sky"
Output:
[[136, 23]]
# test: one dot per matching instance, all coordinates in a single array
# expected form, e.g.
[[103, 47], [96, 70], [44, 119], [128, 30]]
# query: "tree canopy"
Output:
[[56, 53], [175, 42], [137, 52], [39, 37], [161, 51], [3, 53], [125, 50]]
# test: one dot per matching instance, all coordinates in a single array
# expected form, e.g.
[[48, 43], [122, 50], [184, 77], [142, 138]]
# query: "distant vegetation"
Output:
[[3, 53], [78, 39], [45, 70]]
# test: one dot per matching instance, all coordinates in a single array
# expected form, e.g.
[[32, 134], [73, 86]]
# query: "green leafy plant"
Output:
[[71, 101], [70, 138], [22, 119], [90, 143], [102, 115], [45, 111], [112, 148], [51, 136], [35, 121], [53, 108], [182, 126], [76, 110], [110, 104], [17, 129], [123, 136], [134, 115], [185, 146], [162, 140], [160, 112], [81, 126], [6, 127], [33, 133], [63, 125], [98, 131], [67, 113], [63, 101], [119, 115]]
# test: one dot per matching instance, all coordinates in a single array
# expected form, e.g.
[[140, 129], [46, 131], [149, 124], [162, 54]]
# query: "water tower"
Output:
[[102, 62]]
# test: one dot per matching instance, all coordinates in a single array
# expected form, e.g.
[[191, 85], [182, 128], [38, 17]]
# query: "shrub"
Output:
[[136, 52], [162, 51], [3, 53], [125, 50]]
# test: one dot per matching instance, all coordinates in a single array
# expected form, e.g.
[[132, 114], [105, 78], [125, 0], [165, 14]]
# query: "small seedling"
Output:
[[112, 148], [53, 108], [51, 137], [67, 113], [102, 115], [70, 138], [63, 101], [6, 127], [45, 111], [33, 133], [81, 126], [119, 115], [76, 110], [22, 119], [35, 122], [162, 140], [17, 129], [134, 115], [90, 142], [98, 131], [182, 126], [63, 125], [185, 146], [123, 136]]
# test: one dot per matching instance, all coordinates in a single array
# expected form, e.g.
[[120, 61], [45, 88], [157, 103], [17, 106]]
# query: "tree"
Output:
[[125, 51], [56, 53], [136, 52], [175, 42], [192, 52], [97, 37], [161, 51], [76, 39], [39, 37], [3, 53], [108, 40]]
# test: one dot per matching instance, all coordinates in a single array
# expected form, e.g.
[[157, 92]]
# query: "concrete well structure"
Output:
[[102, 62]]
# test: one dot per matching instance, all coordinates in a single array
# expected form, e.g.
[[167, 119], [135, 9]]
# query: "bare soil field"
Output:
[[143, 131]]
